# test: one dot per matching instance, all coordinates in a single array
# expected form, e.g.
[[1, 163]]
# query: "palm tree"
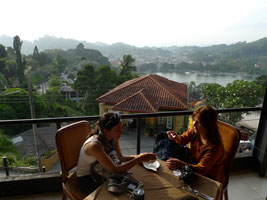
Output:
[[126, 67]]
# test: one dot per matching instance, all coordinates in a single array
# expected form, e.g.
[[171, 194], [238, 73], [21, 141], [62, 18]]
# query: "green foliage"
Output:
[[122, 78], [37, 77], [29, 161], [18, 99], [16, 106], [7, 112], [11, 71], [59, 110], [90, 54], [92, 83], [71, 76], [17, 47], [10, 159], [261, 80], [35, 54], [8, 68], [39, 105], [126, 65], [55, 81], [44, 59], [85, 79], [238, 94], [3, 81], [194, 91], [53, 94], [13, 157], [242, 93], [105, 79], [240, 57], [78, 57], [18, 161], [48, 153], [56, 106], [167, 67], [3, 52], [211, 94], [6, 145], [58, 65], [2, 65], [148, 68]]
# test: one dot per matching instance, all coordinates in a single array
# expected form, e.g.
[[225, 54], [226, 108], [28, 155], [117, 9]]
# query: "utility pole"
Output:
[[34, 130]]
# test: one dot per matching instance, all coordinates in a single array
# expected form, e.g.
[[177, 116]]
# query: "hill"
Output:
[[239, 57], [114, 50]]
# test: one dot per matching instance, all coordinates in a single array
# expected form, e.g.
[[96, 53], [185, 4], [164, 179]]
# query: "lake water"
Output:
[[222, 79]]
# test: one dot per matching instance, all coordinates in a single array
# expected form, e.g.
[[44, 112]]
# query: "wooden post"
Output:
[[6, 166], [43, 168], [138, 123]]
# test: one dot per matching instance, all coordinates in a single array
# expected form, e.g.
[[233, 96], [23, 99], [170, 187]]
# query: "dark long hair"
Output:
[[108, 120], [208, 118]]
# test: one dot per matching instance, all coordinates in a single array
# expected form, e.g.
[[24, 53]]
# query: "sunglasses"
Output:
[[113, 120]]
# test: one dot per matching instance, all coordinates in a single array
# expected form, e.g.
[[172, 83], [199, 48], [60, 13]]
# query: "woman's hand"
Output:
[[145, 157], [172, 135], [174, 163]]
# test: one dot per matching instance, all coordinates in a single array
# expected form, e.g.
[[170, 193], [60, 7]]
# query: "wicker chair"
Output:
[[230, 138], [69, 140]]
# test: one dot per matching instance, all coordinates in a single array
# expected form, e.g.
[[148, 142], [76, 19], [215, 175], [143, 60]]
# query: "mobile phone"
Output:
[[131, 187]]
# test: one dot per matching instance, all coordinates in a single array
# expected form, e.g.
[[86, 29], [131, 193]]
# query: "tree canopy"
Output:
[[238, 94], [92, 83], [20, 62], [127, 65], [3, 52]]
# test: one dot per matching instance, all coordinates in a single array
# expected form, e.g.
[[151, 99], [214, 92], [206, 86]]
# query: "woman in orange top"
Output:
[[207, 149]]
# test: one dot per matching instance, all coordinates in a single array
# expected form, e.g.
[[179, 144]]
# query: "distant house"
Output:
[[259, 65], [148, 94], [69, 93]]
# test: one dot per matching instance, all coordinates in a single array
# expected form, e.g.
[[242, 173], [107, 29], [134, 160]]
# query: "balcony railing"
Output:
[[138, 117], [259, 156]]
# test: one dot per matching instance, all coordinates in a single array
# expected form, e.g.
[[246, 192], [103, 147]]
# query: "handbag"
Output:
[[166, 148], [118, 182]]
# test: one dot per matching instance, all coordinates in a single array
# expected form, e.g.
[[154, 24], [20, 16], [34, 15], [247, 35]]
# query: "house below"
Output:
[[148, 94], [69, 93]]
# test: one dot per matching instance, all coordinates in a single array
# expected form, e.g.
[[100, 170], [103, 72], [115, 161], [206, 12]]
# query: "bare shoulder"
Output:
[[92, 147]]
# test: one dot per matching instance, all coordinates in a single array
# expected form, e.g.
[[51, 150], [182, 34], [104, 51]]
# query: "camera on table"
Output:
[[187, 173], [138, 194]]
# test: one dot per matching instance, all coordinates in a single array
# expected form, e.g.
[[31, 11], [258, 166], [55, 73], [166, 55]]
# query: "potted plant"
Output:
[[147, 129]]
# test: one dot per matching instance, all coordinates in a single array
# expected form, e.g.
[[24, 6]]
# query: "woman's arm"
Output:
[[208, 160], [172, 135], [97, 150], [183, 139], [174, 163], [124, 158]]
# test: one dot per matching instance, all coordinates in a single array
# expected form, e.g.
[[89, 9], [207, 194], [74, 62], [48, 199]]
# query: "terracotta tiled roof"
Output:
[[148, 93], [138, 102]]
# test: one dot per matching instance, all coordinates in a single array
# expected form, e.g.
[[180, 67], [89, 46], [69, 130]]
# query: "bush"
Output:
[[10, 158], [48, 153], [31, 161], [14, 160], [6, 145], [13, 157]]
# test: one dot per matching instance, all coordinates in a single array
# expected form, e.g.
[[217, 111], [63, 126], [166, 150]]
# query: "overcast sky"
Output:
[[137, 22]]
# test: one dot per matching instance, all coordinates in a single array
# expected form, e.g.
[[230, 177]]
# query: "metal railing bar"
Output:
[[59, 120]]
